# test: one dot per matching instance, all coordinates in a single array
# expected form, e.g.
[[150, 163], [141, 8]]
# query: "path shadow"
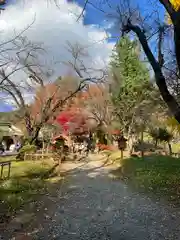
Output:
[[79, 168], [92, 206]]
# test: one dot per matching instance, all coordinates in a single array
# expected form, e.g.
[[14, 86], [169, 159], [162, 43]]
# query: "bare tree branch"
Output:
[[19, 34], [169, 8], [83, 10], [160, 79], [160, 42]]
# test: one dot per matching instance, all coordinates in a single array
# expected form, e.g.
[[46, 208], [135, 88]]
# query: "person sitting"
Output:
[[1, 148], [17, 146]]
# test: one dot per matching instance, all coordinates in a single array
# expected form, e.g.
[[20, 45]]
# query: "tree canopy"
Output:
[[133, 95]]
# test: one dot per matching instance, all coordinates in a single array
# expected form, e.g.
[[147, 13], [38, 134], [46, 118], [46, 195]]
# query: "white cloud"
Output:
[[54, 26]]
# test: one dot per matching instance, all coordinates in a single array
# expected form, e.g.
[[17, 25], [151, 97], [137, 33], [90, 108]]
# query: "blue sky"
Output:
[[54, 28], [93, 17], [96, 17]]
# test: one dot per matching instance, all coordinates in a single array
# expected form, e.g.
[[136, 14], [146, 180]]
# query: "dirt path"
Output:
[[91, 206]]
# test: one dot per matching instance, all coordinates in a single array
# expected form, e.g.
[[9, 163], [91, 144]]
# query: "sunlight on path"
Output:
[[93, 206]]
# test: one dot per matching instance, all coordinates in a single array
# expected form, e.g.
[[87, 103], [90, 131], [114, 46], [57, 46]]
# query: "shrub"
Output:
[[105, 147], [59, 143], [164, 135], [28, 148], [160, 134]]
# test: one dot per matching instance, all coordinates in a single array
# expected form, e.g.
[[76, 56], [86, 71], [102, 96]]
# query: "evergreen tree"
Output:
[[131, 91], [131, 73]]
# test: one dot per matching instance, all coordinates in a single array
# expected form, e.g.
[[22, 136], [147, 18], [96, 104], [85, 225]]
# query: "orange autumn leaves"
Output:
[[91, 104], [48, 96], [176, 6]]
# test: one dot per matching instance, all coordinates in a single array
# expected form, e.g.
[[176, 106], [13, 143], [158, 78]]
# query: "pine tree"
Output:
[[126, 64], [131, 90]]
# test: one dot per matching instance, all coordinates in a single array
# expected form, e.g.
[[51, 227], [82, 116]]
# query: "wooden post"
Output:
[[121, 153], [9, 170], [8, 164], [25, 155], [122, 144], [142, 143], [2, 166], [59, 163]]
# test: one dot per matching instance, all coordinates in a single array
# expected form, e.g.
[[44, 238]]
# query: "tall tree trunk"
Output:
[[28, 124], [131, 142], [170, 148], [160, 79], [130, 138], [35, 134], [142, 142], [110, 138], [156, 143], [175, 17]]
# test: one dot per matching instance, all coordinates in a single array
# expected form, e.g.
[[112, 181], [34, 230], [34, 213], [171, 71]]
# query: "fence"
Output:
[[39, 155]]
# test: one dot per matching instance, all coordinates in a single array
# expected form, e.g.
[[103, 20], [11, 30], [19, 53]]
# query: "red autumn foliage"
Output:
[[73, 121], [48, 96], [99, 103], [116, 132], [42, 95], [103, 147]]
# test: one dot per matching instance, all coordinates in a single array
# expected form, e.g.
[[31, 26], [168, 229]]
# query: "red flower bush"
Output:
[[103, 147], [73, 121], [116, 132]]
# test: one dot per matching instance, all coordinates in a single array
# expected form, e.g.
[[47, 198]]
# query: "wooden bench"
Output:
[[3, 164]]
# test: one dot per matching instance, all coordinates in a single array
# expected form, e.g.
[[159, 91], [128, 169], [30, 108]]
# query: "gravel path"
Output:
[[95, 206]]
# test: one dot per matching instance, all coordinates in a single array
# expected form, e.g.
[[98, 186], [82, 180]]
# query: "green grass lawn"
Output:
[[28, 180], [159, 175], [7, 158], [112, 155]]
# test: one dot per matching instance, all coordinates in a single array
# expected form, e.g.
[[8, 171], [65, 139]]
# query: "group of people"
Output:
[[12, 148], [83, 147]]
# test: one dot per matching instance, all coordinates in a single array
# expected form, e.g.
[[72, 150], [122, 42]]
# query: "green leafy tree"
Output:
[[132, 93], [148, 27], [126, 64], [161, 135]]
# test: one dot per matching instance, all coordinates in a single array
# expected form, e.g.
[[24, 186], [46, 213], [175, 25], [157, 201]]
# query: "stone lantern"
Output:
[[122, 144]]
